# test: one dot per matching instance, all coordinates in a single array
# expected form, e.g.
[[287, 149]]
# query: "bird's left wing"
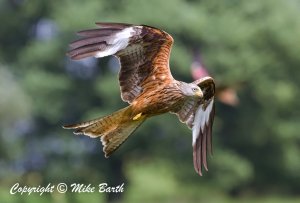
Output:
[[199, 115]]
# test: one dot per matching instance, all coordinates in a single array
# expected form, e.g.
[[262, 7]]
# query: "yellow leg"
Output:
[[137, 117]]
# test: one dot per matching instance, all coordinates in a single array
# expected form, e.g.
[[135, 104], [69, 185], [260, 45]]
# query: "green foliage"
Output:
[[252, 46]]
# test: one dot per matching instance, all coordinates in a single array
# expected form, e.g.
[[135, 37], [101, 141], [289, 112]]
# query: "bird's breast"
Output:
[[159, 101]]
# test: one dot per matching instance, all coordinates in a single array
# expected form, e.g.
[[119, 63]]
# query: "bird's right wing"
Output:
[[143, 52]]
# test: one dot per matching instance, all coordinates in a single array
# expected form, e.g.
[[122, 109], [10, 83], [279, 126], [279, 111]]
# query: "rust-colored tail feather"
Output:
[[113, 129], [118, 136]]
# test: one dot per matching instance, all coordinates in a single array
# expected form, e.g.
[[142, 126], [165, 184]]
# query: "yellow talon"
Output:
[[137, 117]]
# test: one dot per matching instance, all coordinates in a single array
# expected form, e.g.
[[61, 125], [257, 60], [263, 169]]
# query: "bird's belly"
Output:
[[157, 103]]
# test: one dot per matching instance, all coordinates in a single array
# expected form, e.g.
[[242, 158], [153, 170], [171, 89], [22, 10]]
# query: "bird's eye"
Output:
[[194, 89]]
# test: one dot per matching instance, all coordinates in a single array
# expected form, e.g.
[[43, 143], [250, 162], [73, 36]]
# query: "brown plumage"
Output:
[[147, 85]]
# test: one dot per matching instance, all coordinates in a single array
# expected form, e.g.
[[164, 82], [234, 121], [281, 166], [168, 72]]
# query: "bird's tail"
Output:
[[113, 129]]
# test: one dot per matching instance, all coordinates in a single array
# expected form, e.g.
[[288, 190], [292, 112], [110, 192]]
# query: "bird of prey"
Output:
[[147, 84]]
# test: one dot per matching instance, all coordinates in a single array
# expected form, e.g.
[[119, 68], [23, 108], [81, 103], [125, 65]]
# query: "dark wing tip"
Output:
[[86, 50], [202, 145], [197, 155], [113, 25], [200, 153]]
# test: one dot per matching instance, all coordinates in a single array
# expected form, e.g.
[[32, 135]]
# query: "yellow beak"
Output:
[[199, 93]]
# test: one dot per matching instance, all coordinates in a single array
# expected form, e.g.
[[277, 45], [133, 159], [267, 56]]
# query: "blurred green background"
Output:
[[249, 47]]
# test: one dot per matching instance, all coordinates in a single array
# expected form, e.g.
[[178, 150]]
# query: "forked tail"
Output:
[[113, 129]]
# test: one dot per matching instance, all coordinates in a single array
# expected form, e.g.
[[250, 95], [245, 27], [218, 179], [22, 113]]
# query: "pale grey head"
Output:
[[191, 90]]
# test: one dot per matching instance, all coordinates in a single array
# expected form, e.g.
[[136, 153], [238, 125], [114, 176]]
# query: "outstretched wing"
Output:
[[199, 116], [143, 52]]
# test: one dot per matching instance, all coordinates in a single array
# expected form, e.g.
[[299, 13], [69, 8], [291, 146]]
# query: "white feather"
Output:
[[118, 42], [201, 118]]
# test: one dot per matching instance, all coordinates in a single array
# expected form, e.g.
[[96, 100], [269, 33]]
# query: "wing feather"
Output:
[[199, 115], [202, 136], [143, 52], [202, 124]]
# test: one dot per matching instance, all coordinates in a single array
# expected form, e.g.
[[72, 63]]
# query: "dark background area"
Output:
[[252, 50]]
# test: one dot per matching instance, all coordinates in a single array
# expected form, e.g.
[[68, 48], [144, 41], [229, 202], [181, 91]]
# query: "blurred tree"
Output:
[[257, 144]]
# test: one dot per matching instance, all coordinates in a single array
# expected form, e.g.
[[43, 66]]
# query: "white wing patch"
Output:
[[201, 118], [119, 41]]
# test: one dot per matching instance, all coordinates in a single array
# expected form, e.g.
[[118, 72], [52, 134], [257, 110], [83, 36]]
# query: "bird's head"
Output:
[[191, 90]]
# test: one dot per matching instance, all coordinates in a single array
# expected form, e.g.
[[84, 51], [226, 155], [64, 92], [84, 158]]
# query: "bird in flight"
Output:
[[148, 86]]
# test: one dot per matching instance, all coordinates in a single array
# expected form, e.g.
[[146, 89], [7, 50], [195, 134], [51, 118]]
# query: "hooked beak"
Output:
[[199, 93]]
